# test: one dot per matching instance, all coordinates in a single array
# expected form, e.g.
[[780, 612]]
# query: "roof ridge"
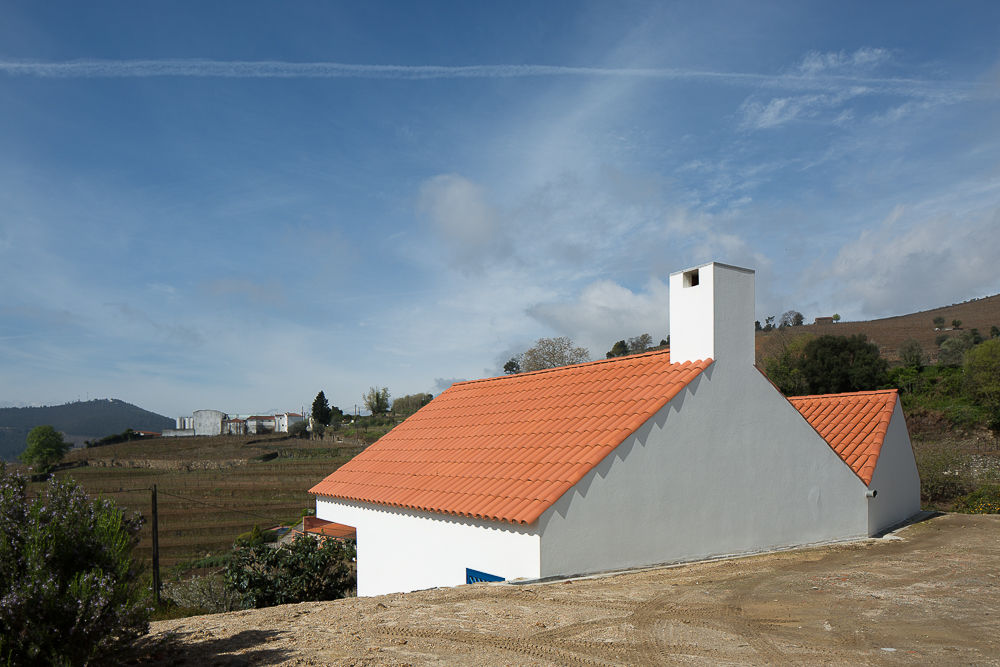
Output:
[[595, 362], [865, 392]]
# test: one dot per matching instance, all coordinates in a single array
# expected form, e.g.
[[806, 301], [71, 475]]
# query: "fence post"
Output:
[[156, 550]]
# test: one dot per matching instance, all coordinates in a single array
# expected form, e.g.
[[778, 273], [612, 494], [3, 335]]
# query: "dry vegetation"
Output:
[[890, 332], [209, 489]]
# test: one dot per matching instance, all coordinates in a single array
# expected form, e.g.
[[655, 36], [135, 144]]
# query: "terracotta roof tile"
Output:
[[853, 424], [507, 448]]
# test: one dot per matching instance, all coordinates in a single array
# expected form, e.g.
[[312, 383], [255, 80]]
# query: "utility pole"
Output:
[[156, 549]]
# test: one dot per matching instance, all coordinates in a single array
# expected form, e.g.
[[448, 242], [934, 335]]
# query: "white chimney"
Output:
[[711, 314]]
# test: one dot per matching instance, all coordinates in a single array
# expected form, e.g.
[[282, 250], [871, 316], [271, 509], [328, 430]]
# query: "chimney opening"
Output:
[[691, 278]]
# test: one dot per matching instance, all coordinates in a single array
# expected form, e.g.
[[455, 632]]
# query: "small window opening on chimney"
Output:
[[691, 278]]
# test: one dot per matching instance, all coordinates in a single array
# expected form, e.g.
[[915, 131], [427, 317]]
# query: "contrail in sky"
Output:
[[270, 69]]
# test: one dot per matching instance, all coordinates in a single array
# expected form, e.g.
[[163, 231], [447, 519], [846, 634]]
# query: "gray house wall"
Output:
[[895, 478], [726, 467]]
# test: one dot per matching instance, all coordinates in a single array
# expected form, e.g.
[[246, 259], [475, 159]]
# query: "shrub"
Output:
[[982, 376], [306, 570], [70, 591], [943, 475], [208, 594], [984, 500], [911, 354], [299, 430]]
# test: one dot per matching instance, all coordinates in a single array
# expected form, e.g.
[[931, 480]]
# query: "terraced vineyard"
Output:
[[209, 489]]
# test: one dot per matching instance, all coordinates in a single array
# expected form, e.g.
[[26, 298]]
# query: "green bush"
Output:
[[943, 475], [308, 569], [70, 591], [984, 500], [254, 537]]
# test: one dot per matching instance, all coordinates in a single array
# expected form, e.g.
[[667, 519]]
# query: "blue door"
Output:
[[475, 576]]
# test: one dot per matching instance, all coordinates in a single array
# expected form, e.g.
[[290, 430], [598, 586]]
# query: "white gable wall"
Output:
[[727, 467], [895, 479], [400, 550]]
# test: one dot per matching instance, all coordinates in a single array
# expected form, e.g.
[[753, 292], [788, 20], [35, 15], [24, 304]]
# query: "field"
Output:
[[209, 489], [890, 332], [924, 596]]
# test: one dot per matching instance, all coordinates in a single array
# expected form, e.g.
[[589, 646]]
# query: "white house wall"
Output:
[[400, 551], [727, 467], [895, 478]]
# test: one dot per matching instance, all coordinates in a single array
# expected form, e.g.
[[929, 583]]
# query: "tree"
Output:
[[768, 323], [407, 405], [982, 376], [791, 318], [308, 569], [911, 354], [321, 412], [994, 331], [956, 324], [951, 351], [782, 360], [938, 322], [640, 343], [513, 365], [836, 317], [46, 447], [552, 353], [619, 349], [377, 400], [70, 590], [834, 364]]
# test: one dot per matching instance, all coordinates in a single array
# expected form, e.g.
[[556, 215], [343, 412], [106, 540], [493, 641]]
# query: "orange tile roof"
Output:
[[853, 424], [507, 448], [316, 526]]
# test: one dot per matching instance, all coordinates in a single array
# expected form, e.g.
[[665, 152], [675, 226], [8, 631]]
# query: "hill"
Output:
[[82, 420], [890, 332]]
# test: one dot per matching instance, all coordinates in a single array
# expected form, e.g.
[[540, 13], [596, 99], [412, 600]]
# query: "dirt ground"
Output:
[[929, 594]]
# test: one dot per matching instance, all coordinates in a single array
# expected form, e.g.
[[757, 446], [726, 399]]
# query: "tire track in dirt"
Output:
[[540, 651]]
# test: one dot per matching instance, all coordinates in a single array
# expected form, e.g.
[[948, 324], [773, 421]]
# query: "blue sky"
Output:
[[235, 205]]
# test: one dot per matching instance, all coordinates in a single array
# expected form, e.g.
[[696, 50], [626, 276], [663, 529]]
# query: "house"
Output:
[[257, 424], [632, 461], [284, 420]]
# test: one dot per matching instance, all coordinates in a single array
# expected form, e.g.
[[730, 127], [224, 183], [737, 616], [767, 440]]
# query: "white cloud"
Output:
[[605, 312], [460, 214], [815, 62], [908, 262], [757, 115]]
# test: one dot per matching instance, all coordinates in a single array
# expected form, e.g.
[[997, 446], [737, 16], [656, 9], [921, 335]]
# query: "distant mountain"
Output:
[[82, 420]]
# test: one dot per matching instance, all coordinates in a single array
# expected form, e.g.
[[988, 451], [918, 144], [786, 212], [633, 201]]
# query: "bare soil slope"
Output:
[[929, 595], [890, 332]]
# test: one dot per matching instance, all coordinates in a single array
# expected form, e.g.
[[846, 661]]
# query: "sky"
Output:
[[235, 205]]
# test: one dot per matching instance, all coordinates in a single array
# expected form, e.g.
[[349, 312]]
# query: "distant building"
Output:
[[824, 320], [284, 421], [234, 426], [215, 422], [260, 424]]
